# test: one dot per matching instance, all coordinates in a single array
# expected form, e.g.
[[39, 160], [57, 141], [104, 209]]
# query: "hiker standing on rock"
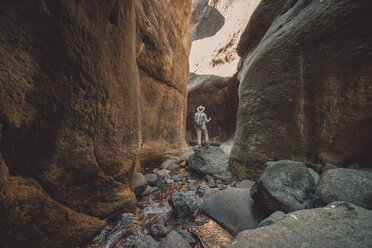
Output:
[[200, 120]]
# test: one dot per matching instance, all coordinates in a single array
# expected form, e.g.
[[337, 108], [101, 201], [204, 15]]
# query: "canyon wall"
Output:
[[163, 46], [75, 110], [216, 28], [305, 84]]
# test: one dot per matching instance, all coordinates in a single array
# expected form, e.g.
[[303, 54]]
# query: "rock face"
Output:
[[285, 185], [347, 185], [74, 110], [317, 228], [217, 26], [305, 83], [211, 161], [163, 45], [220, 98], [234, 209]]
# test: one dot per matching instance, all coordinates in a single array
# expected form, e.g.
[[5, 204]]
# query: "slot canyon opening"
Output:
[[97, 135]]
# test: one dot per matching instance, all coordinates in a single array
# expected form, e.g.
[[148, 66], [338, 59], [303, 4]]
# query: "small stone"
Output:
[[328, 167], [149, 190], [158, 230], [221, 186], [191, 186], [354, 166], [139, 183], [278, 215], [162, 174], [183, 204], [169, 165], [210, 181], [169, 181], [182, 164], [202, 188], [186, 237], [174, 240], [317, 167], [146, 242], [177, 178], [152, 179], [126, 220]]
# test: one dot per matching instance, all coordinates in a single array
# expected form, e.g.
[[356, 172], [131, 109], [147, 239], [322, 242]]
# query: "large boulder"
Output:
[[340, 225], [285, 185], [233, 209], [303, 90], [74, 109], [211, 161], [354, 186]]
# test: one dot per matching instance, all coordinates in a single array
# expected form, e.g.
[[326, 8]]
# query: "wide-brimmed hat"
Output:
[[200, 108]]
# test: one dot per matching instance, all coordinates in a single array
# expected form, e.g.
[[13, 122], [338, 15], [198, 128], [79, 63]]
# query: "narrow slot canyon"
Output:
[[101, 103]]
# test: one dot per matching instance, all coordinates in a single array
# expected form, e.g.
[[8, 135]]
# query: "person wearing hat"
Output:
[[200, 121]]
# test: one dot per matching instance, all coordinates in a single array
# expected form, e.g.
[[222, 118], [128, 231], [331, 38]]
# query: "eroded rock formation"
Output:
[[216, 27], [305, 83], [74, 110], [163, 45]]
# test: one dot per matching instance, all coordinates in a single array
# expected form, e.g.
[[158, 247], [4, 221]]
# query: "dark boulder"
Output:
[[211, 161], [354, 186], [183, 205], [285, 185], [234, 209]]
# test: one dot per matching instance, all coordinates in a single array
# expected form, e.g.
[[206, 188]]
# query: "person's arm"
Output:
[[206, 119]]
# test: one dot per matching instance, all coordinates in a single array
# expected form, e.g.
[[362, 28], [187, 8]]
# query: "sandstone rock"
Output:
[[285, 185], [278, 215], [139, 183], [234, 209], [28, 213], [343, 226], [211, 161], [183, 205], [216, 27], [174, 240], [292, 52], [163, 45], [353, 186]]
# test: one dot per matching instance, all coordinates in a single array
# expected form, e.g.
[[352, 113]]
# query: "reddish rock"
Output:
[[75, 109]]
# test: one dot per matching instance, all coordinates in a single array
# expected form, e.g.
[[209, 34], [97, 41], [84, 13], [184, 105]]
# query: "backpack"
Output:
[[199, 119]]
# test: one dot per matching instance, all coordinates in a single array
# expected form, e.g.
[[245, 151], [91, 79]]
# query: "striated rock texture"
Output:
[[220, 98], [73, 110], [163, 45], [305, 83]]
